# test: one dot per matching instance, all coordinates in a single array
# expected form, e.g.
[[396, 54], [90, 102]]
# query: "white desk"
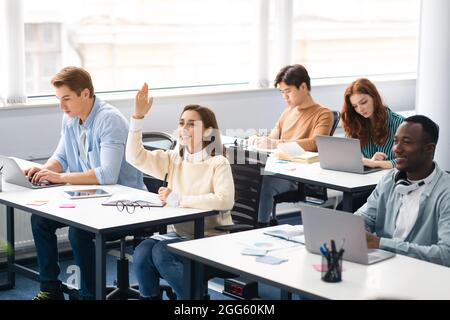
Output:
[[348, 183], [89, 215], [400, 277]]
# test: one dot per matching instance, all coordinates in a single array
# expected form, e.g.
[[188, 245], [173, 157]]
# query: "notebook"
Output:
[[146, 199], [288, 232], [291, 151]]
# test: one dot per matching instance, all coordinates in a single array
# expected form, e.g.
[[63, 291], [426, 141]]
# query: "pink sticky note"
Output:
[[322, 267], [67, 205]]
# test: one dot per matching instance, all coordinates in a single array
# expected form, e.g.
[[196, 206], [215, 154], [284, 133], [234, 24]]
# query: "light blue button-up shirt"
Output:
[[106, 136]]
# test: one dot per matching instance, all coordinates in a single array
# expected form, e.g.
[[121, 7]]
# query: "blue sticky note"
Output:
[[281, 161], [270, 260], [254, 252]]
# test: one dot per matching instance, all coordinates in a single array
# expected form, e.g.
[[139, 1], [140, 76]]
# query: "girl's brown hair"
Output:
[[355, 125]]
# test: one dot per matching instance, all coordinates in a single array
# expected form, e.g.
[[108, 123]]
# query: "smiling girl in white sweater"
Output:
[[199, 176]]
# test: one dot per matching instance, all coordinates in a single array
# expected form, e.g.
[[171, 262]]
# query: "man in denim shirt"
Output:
[[409, 210], [91, 150]]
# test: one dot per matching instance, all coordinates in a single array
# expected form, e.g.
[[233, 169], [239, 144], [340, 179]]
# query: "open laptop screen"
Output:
[[321, 225], [14, 174], [342, 154]]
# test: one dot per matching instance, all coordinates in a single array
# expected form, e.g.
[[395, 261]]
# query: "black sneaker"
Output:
[[49, 295]]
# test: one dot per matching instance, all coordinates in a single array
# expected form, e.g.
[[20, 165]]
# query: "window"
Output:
[[167, 43], [43, 53], [356, 37], [178, 43]]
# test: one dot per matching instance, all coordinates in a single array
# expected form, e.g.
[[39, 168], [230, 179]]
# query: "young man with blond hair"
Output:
[[91, 150]]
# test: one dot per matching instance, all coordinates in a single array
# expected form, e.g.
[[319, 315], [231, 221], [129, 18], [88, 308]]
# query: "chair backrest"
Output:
[[154, 141], [318, 194], [247, 185], [158, 140], [336, 118]]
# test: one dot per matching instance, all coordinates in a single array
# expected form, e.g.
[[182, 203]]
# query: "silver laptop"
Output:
[[13, 174], [342, 154], [321, 225]]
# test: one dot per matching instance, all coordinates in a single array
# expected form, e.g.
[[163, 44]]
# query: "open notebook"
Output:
[[288, 232], [258, 149], [291, 151], [145, 199]]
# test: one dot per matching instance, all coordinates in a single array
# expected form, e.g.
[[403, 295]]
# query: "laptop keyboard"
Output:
[[373, 256], [377, 254], [40, 184]]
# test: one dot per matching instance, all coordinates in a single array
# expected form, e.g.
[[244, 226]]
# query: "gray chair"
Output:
[[122, 289], [247, 190], [336, 119], [156, 140], [305, 193]]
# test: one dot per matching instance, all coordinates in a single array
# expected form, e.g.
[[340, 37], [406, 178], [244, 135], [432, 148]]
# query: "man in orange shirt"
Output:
[[302, 120]]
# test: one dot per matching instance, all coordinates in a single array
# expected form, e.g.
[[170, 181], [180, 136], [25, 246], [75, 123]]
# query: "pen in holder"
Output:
[[331, 263]]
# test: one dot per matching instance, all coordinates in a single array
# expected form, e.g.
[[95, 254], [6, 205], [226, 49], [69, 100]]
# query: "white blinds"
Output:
[[433, 95], [14, 60], [283, 17], [260, 72], [283, 32]]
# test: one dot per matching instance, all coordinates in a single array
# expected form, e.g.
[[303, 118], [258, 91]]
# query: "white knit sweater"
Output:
[[206, 184]]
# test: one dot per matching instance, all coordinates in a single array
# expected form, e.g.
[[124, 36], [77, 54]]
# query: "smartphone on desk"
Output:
[[86, 193]]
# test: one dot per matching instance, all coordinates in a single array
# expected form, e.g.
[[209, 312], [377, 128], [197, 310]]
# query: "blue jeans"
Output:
[[152, 260], [47, 255], [272, 186]]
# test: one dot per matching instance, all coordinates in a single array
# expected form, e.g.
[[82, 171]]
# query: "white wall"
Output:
[[33, 132], [433, 95]]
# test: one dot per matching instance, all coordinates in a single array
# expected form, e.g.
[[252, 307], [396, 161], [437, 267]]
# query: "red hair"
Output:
[[355, 125]]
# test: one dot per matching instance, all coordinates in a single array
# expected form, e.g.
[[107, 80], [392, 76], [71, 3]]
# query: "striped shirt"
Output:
[[394, 121]]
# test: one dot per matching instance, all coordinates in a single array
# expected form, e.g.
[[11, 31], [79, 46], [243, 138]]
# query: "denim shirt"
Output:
[[429, 239], [106, 136]]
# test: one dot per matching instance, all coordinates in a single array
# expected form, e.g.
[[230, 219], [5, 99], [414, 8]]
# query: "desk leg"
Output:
[[199, 228], [285, 295], [188, 279], [11, 275], [100, 267], [302, 191], [193, 280], [347, 202], [194, 277]]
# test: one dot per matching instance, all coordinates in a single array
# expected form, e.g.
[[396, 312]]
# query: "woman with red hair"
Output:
[[364, 117]]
